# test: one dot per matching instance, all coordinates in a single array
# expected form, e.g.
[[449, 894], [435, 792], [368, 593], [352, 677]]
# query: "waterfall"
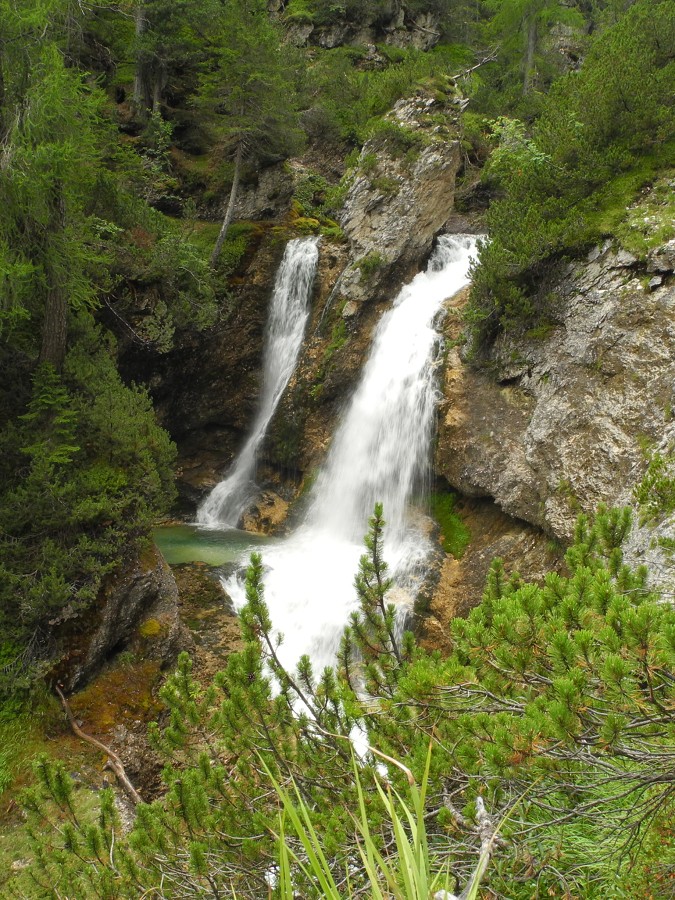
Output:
[[381, 453], [289, 311]]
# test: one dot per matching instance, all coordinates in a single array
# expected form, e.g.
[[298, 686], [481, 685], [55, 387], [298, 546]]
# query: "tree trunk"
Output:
[[157, 89], [3, 128], [229, 212], [530, 50], [142, 94], [55, 324]]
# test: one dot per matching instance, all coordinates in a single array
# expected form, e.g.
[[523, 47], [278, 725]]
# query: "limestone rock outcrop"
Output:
[[404, 188], [137, 611], [562, 417], [390, 23]]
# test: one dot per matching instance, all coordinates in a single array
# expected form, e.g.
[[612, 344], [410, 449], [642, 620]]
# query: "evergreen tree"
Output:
[[554, 709], [49, 246], [173, 40], [519, 26], [85, 472], [250, 95]]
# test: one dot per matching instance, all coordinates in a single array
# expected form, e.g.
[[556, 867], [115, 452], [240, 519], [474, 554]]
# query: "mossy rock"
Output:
[[306, 225]]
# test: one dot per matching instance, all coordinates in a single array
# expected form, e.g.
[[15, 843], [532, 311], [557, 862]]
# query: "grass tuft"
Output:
[[455, 536]]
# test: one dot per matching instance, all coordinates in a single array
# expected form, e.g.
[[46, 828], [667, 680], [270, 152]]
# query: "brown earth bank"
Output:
[[461, 581], [123, 698], [136, 611]]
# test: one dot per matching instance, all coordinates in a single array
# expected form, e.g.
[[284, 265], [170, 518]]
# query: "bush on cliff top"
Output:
[[613, 116]]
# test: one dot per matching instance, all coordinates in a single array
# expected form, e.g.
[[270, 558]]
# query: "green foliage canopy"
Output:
[[596, 123]]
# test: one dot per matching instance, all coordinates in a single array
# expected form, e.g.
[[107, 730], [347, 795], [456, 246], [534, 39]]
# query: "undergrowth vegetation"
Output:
[[542, 745], [454, 534]]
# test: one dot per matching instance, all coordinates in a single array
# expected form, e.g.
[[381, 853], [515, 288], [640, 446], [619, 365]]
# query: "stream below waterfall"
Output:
[[380, 453]]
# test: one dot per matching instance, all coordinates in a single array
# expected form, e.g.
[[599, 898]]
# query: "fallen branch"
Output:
[[114, 762], [491, 57], [135, 335], [425, 30]]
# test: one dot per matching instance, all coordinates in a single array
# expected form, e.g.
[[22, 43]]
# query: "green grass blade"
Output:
[[285, 882], [318, 865], [367, 855]]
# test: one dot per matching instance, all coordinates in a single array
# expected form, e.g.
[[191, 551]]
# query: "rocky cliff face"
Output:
[[563, 417], [136, 611], [392, 23], [404, 187], [459, 583]]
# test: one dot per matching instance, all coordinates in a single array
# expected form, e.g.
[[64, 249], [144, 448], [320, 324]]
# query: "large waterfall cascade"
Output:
[[380, 452], [289, 311]]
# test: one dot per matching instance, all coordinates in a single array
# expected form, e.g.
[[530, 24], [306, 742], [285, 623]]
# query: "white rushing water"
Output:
[[289, 311], [380, 453]]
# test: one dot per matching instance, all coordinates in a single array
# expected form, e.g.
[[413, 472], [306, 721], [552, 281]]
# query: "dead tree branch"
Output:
[[114, 762]]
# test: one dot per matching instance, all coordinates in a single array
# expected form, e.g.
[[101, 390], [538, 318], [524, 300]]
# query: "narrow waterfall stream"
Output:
[[380, 453], [289, 311]]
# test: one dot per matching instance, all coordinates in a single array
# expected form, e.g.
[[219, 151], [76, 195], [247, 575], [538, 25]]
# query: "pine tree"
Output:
[[51, 152], [171, 37], [554, 709]]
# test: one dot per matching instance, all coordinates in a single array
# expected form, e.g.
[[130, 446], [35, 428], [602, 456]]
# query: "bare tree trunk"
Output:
[[229, 212], [3, 128], [55, 324], [530, 49], [54, 328], [157, 88], [142, 98]]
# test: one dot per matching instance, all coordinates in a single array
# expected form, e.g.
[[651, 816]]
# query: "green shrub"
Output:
[[656, 492], [300, 12], [369, 264], [395, 138], [368, 163], [385, 185]]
